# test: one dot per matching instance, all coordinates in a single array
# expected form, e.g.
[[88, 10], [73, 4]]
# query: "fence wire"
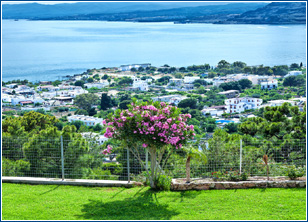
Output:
[[83, 159]]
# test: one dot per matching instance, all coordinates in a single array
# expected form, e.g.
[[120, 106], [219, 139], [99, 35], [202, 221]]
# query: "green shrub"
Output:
[[114, 168], [294, 172], [163, 182], [229, 176], [14, 168], [99, 174]]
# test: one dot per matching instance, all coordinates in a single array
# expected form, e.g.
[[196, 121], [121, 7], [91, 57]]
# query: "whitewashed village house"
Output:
[[238, 105], [87, 120], [269, 85]]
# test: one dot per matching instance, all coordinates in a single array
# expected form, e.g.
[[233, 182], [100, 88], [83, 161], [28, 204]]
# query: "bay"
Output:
[[45, 50]]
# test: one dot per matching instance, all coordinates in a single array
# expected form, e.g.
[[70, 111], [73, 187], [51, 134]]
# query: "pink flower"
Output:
[[144, 145]]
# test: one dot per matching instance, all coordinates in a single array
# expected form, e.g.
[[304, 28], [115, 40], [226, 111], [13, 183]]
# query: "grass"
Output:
[[51, 202]]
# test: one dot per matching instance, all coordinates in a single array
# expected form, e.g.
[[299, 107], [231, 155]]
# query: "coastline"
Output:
[[163, 21]]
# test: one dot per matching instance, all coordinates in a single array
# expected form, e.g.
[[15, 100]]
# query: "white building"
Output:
[[229, 93], [69, 87], [300, 101], [98, 85], [6, 98], [11, 86], [67, 93], [87, 120], [212, 111], [48, 88], [269, 85], [22, 100], [280, 102], [100, 139], [171, 99], [176, 82], [208, 80], [136, 66], [238, 105], [293, 73], [217, 81], [190, 79], [140, 84]]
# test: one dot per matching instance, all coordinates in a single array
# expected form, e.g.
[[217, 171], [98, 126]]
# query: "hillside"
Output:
[[273, 13], [41, 11], [178, 12], [132, 11]]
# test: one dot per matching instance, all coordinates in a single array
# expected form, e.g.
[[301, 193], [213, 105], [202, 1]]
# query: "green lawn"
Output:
[[51, 202]]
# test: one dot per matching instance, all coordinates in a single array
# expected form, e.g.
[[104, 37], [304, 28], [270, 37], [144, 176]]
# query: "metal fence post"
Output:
[[241, 156], [62, 158], [128, 170], [146, 159]]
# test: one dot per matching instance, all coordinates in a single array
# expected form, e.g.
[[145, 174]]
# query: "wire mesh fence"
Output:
[[78, 158]]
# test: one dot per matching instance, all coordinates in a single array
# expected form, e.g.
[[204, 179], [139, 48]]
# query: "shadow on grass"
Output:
[[123, 188], [142, 206], [48, 191], [189, 194]]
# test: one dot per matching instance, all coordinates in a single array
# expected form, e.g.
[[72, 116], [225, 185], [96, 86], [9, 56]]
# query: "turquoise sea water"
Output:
[[44, 50]]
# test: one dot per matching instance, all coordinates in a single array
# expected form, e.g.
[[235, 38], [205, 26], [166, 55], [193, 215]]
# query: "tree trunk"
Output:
[[267, 171], [188, 170], [152, 152]]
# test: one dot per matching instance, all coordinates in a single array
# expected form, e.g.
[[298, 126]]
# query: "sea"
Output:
[[49, 50]]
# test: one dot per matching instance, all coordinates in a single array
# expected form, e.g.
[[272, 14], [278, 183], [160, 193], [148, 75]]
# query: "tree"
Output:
[[280, 70], [140, 69], [43, 151], [92, 112], [172, 69], [164, 78], [98, 128], [158, 127], [79, 83], [247, 69], [245, 83], [239, 64], [56, 83], [105, 76], [182, 69], [294, 66], [133, 70], [109, 80], [188, 103], [125, 81], [231, 127], [90, 79], [223, 64], [106, 102], [200, 81], [294, 80], [85, 100], [124, 103], [192, 152], [81, 112], [178, 75], [234, 85], [77, 124]]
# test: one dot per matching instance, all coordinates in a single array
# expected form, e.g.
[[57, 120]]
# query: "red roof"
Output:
[[26, 102]]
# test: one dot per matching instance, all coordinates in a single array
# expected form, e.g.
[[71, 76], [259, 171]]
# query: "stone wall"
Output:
[[237, 185]]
